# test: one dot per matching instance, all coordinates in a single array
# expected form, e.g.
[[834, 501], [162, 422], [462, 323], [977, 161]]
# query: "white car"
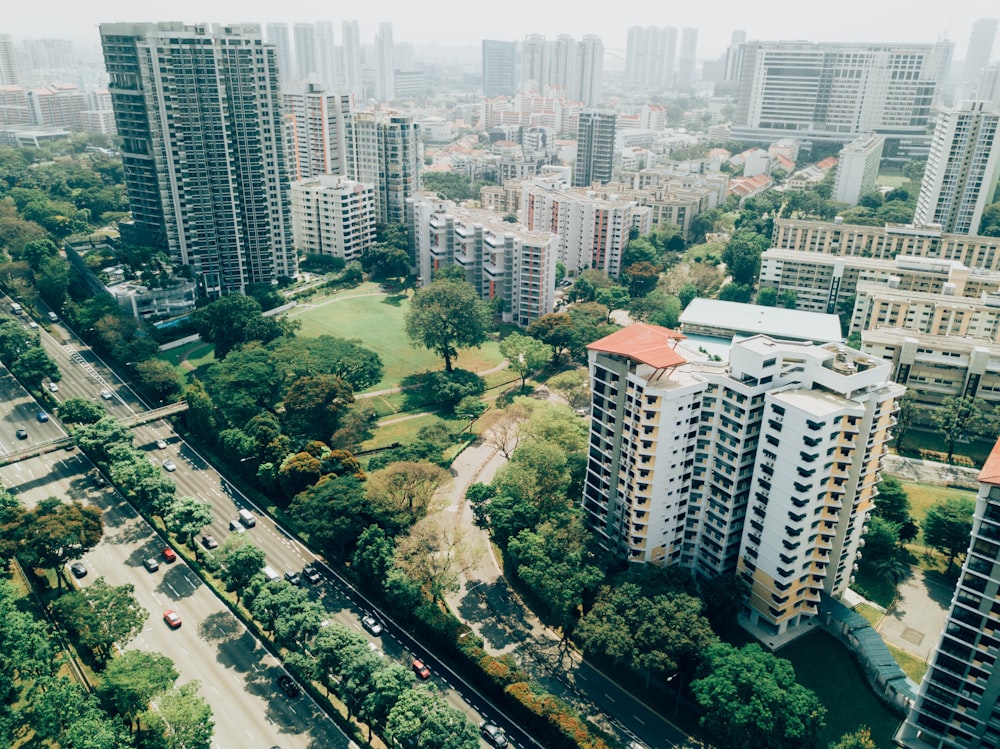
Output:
[[53, 387], [162, 444], [106, 394], [169, 465]]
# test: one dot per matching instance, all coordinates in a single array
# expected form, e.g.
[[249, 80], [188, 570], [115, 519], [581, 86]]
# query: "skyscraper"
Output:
[[857, 168], [326, 52], [277, 34], [688, 58], [199, 114], [499, 62], [962, 169], [535, 62], [352, 56], [836, 91], [978, 54], [958, 699], [10, 70], [383, 150], [385, 69], [650, 56], [595, 147], [588, 77], [318, 123], [306, 52]]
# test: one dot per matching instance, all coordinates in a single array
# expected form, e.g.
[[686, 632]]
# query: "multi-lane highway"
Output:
[[236, 672]]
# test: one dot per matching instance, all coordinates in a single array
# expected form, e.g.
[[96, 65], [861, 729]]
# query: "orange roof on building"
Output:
[[828, 163], [991, 469], [649, 344]]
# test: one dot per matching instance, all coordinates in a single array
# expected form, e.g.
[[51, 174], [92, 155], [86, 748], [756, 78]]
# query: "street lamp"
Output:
[[680, 684]]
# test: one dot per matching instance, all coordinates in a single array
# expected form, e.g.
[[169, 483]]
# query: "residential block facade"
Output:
[[332, 215]]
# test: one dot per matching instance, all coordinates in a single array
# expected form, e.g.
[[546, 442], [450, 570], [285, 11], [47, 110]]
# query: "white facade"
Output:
[[385, 70], [384, 150], [857, 169], [332, 215], [765, 464], [962, 169], [651, 56], [501, 260], [317, 125]]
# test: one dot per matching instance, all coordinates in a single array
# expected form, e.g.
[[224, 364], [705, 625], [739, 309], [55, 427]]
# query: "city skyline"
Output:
[[414, 24]]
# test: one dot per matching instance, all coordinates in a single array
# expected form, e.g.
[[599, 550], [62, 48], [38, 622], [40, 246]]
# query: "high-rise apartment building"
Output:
[[277, 34], [962, 169], [576, 69], [688, 58], [332, 215], [651, 56], [384, 150], [199, 114], [857, 168], [958, 701], [979, 51], [306, 52], [351, 43], [501, 260], [593, 231], [317, 124], [734, 55], [327, 52], [10, 67], [588, 78], [385, 68], [595, 147], [765, 464], [835, 92], [499, 68]]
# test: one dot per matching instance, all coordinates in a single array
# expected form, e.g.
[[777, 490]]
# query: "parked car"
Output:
[[169, 555], [172, 618], [99, 481], [493, 734], [421, 670], [372, 624], [53, 317], [209, 542], [78, 569], [293, 577], [151, 564], [288, 685], [53, 387], [311, 574], [169, 465]]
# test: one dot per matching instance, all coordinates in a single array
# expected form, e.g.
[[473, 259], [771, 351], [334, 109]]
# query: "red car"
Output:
[[170, 555], [172, 618], [421, 670]]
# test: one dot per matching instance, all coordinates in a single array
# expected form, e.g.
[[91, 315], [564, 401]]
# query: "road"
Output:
[[85, 376]]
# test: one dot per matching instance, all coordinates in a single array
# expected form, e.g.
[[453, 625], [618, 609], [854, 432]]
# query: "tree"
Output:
[[132, 679], [470, 407], [186, 518], [905, 416], [642, 278], [103, 615], [948, 527], [860, 739], [446, 315], [767, 297], [332, 514], [687, 293], [893, 504], [990, 224], [385, 688], [742, 256], [80, 411], [420, 719], [372, 556], [33, 366], [314, 404], [405, 489], [158, 378], [502, 429], [434, 555], [612, 297], [556, 329], [383, 261], [233, 320], [15, 340], [960, 417], [239, 561], [247, 382], [751, 698], [348, 359], [574, 386], [57, 532], [182, 720], [525, 354]]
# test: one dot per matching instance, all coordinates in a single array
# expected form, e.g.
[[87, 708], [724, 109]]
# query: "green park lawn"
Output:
[[377, 320], [828, 668]]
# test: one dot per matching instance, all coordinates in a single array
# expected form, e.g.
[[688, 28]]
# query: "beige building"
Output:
[[332, 215]]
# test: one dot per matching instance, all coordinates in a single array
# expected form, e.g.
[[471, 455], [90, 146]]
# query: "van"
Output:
[[15, 308], [247, 518], [270, 574], [53, 317]]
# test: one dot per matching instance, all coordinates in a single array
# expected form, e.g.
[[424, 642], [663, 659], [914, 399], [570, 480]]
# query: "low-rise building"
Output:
[[332, 215]]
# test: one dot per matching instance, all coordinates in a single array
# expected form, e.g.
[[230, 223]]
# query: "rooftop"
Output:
[[752, 319], [991, 469], [649, 344]]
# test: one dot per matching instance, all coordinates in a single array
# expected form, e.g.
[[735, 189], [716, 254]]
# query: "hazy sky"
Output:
[[452, 23]]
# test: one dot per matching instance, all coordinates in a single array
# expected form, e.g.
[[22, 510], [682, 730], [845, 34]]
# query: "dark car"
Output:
[[42, 416], [293, 577], [78, 569], [22, 434], [209, 542], [151, 564], [493, 734], [311, 574], [288, 685]]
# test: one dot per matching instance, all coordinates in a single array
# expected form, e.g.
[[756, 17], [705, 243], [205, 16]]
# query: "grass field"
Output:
[[377, 320], [891, 180], [828, 668], [912, 666]]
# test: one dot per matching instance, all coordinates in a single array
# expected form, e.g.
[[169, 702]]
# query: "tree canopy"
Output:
[[446, 315]]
